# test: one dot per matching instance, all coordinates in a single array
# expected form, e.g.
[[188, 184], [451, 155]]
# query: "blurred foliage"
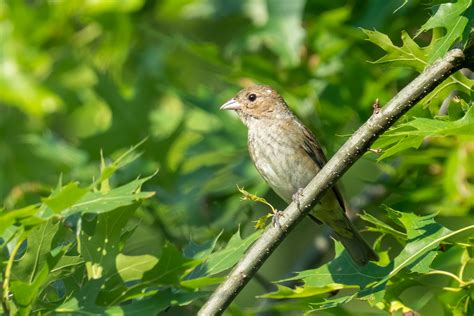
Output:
[[78, 78]]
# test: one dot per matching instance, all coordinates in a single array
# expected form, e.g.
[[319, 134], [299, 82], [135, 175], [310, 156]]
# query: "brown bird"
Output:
[[288, 156]]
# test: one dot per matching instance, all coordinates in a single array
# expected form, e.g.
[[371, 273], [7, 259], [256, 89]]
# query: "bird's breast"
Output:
[[278, 154]]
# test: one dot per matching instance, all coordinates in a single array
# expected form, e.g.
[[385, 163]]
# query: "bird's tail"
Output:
[[357, 247]]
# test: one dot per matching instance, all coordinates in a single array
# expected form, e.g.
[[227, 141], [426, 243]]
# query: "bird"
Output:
[[287, 155]]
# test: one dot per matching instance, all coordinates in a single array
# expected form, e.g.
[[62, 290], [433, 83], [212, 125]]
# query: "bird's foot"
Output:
[[276, 218], [297, 198]]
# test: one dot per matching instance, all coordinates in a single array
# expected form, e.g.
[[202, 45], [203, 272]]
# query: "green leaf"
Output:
[[25, 293], [381, 226], [342, 270], [412, 133], [155, 304], [300, 292], [83, 300], [418, 253], [409, 54], [198, 251], [449, 17], [224, 259], [423, 236], [98, 202], [435, 127], [99, 238], [172, 266], [65, 197], [38, 248], [133, 267], [201, 282], [331, 303], [25, 216], [29, 273]]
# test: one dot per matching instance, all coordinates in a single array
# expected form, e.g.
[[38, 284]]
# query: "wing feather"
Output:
[[314, 150]]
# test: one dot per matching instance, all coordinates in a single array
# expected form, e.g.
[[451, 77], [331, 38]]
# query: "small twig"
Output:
[[7, 275], [246, 196], [449, 274]]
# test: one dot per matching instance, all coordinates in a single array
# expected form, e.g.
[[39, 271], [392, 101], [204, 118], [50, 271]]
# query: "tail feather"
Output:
[[333, 212], [358, 248]]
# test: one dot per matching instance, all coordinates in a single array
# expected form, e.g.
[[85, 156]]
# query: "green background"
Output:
[[83, 77]]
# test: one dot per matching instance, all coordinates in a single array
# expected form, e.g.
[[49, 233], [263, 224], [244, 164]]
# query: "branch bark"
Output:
[[344, 158]]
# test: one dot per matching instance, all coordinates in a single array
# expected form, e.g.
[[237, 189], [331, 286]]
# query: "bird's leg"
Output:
[[276, 217], [297, 198]]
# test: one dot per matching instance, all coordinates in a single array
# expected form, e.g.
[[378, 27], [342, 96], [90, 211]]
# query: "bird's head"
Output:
[[257, 102]]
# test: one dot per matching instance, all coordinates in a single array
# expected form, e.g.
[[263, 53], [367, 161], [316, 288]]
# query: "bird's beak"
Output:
[[231, 105]]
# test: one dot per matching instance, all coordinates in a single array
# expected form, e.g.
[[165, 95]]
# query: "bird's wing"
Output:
[[314, 150]]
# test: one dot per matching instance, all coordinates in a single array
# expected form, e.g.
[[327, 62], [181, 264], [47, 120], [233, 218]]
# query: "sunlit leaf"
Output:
[[412, 133], [98, 202], [449, 17], [409, 54]]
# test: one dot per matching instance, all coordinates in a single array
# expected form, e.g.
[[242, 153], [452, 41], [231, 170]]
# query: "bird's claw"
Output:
[[297, 198], [276, 218]]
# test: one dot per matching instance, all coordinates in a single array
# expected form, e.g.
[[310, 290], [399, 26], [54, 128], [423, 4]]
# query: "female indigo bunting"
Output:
[[288, 156]]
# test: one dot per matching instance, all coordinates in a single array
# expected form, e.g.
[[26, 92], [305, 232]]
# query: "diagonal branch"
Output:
[[344, 158]]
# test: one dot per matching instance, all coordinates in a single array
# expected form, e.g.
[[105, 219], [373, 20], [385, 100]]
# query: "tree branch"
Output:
[[344, 158]]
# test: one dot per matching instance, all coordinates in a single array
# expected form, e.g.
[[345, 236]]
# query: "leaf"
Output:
[[152, 305], [409, 54], [65, 197], [133, 267], [201, 282], [246, 196], [342, 270], [423, 236], [412, 133], [435, 127], [331, 303], [449, 17], [38, 247], [25, 216], [300, 292], [83, 300], [219, 261], [172, 266], [99, 239], [25, 293], [381, 226], [198, 251], [127, 157], [118, 279], [29, 273], [157, 303], [261, 222], [224, 259], [98, 202]]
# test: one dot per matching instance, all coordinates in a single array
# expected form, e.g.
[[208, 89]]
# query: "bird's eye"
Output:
[[252, 97]]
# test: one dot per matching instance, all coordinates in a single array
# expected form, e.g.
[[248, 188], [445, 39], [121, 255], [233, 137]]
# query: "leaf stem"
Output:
[[8, 269], [453, 276]]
